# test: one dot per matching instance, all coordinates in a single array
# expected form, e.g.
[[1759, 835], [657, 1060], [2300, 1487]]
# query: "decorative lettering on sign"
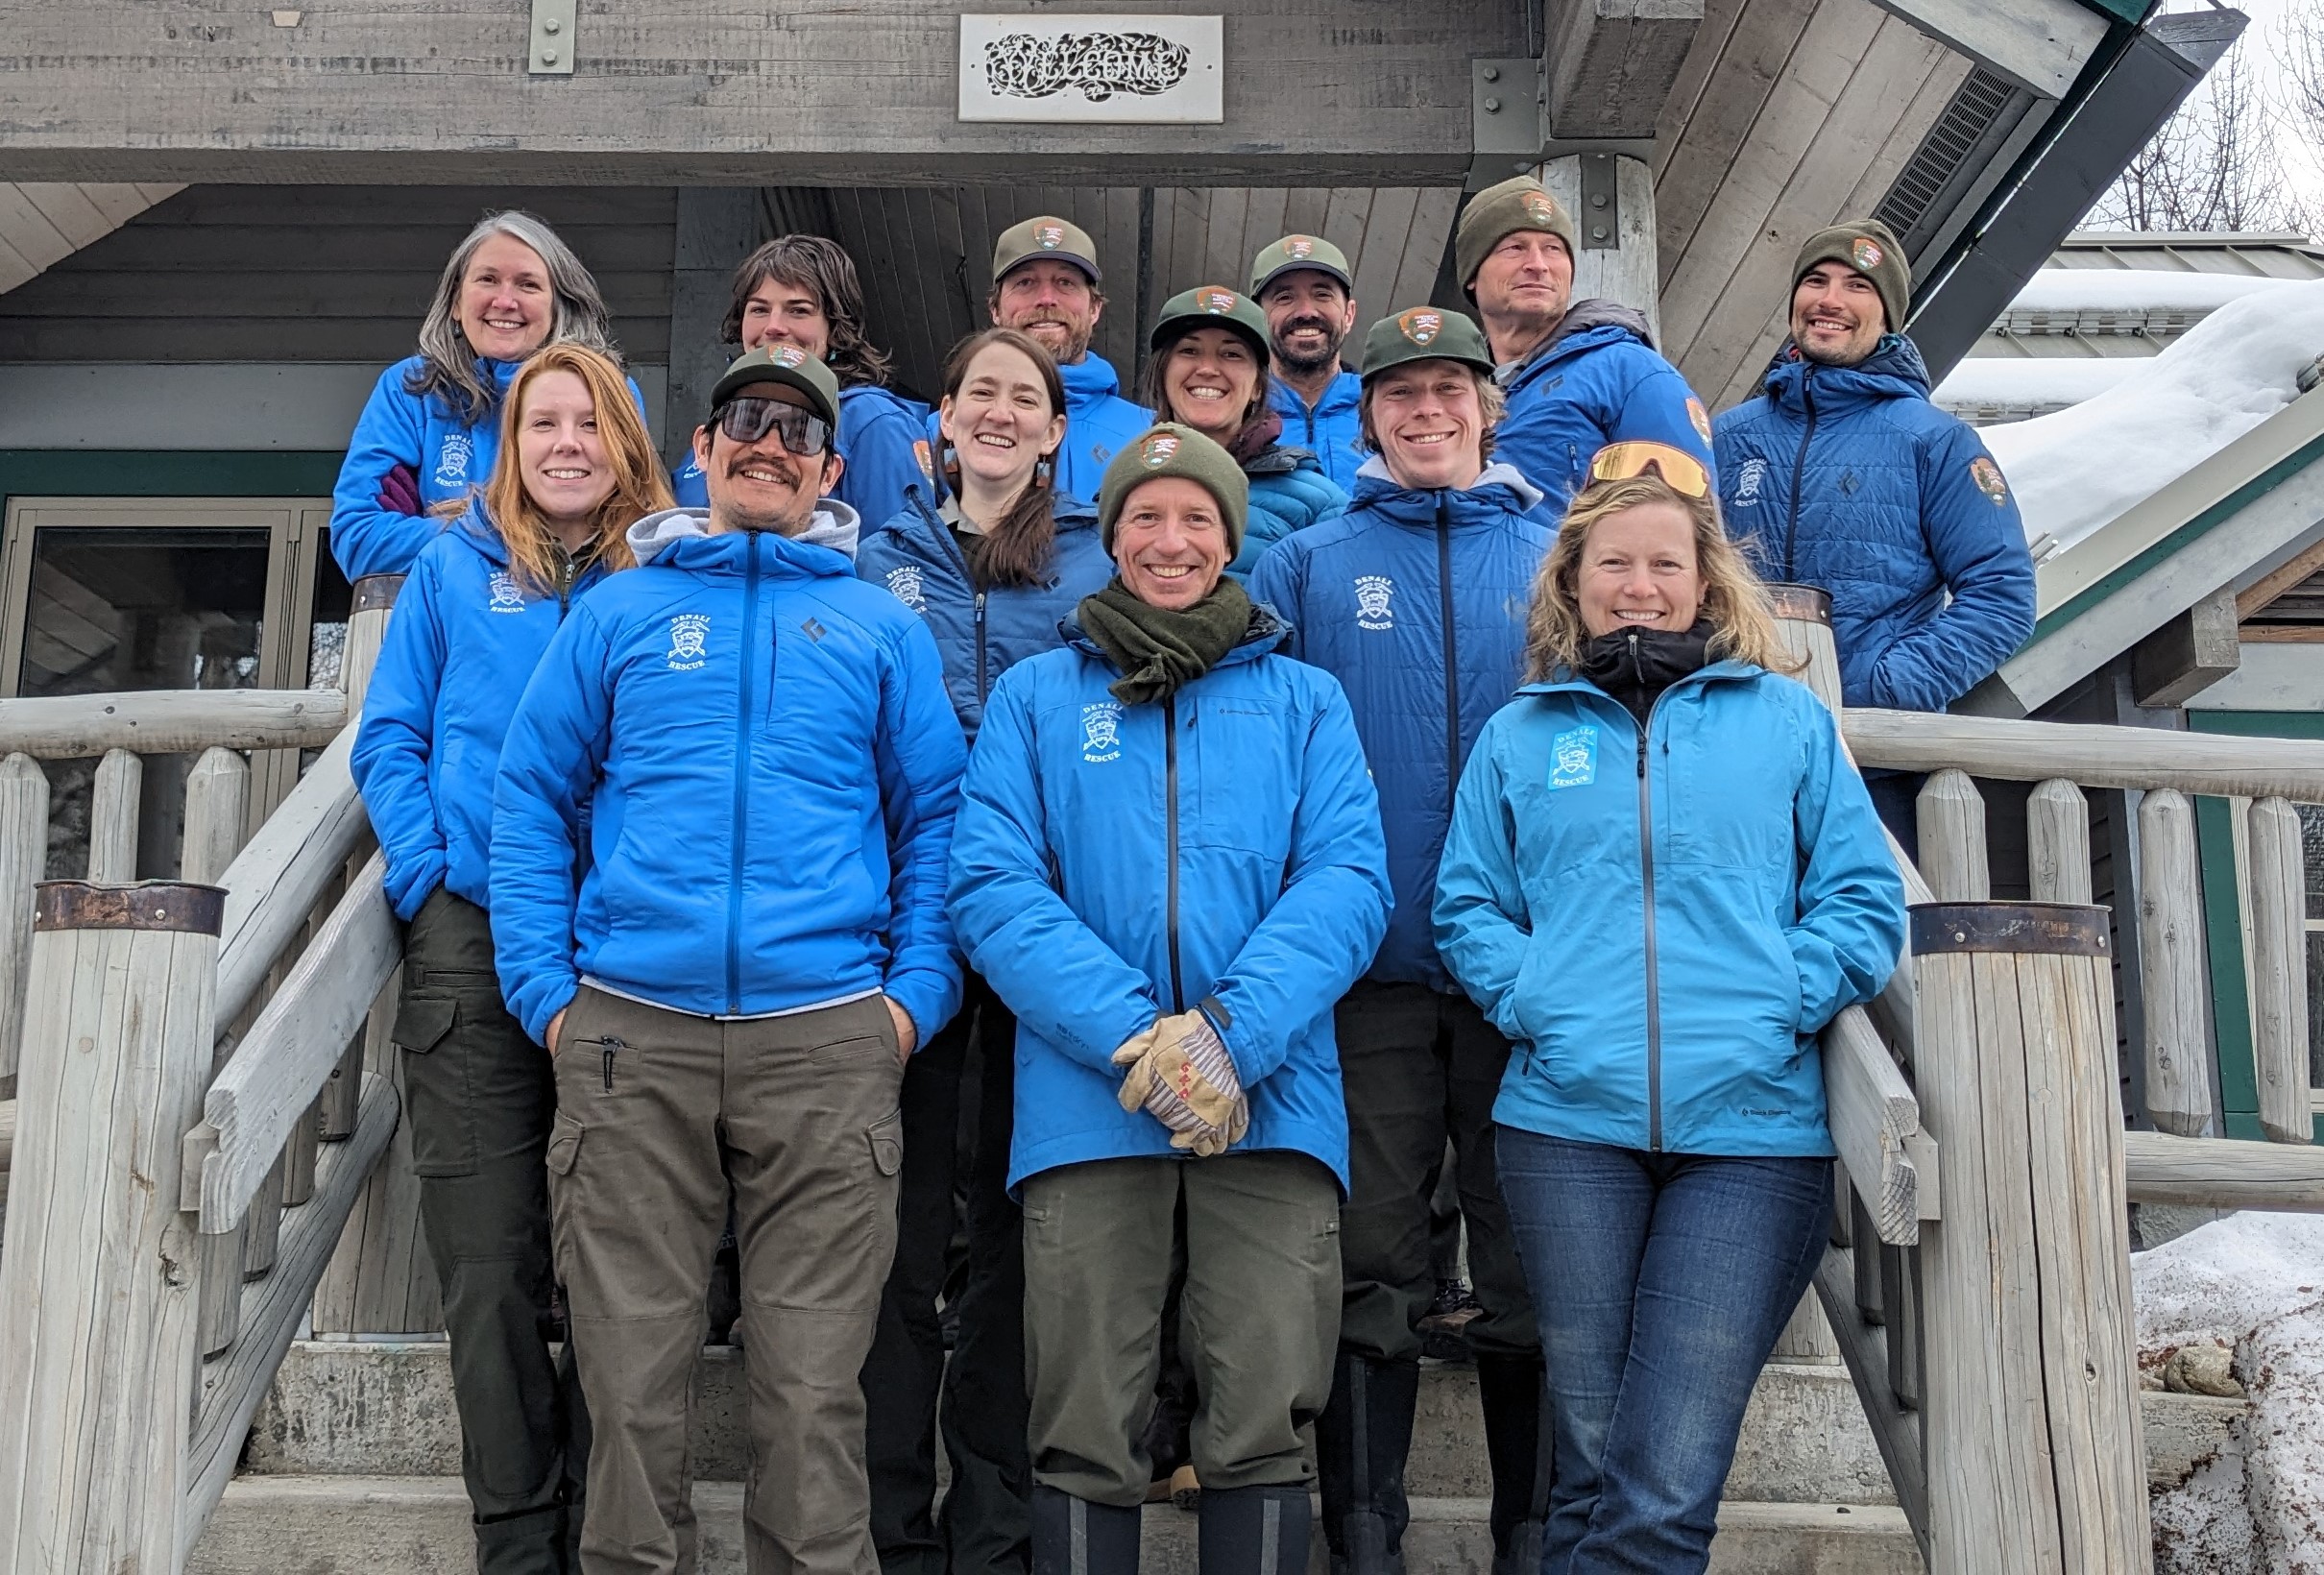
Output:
[[1022, 66]]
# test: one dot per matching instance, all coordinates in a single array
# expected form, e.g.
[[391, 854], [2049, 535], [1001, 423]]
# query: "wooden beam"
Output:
[[670, 93], [2187, 655], [170, 722], [2171, 976], [1612, 63], [2223, 1172], [2279, 970], [1875, 1125], [2092, 755], [2040, 45], [1864, 1348], [2256, 597], [275, 883]]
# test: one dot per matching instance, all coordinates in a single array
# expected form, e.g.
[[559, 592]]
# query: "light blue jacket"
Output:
[[1288, 492], [770, 769], [1663, 922], [465, 635], [1119, 864], [1332, 430], [451, 456], [1382, 598], [1597, 380], [880, 436]]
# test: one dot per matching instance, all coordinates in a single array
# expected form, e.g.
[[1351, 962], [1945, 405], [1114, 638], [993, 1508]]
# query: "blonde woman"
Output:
[[575, 468], [1662, 878]]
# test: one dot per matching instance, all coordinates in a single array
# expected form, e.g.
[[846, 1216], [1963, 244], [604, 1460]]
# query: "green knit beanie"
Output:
[[1499, 212], [1172, 449], [1869, 247]]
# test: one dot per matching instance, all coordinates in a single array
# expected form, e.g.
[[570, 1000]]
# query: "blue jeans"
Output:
[[1662, 1282]]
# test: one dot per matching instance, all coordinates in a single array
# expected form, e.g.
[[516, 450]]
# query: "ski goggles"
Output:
[[746, 419], [1679, 470]]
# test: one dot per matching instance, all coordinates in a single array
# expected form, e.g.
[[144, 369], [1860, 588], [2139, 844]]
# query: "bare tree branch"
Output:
[[2218, 163]]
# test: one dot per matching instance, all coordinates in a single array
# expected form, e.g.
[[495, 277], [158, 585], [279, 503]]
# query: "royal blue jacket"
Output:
[[1332, 430], [1663, 922], [1119, 864], [880, 436], [771, 770], [982, 635], [1384, 598], [1098, 421], [1848, 478], [1288, 492], [1595, 380], [465, 635], [451, 456]]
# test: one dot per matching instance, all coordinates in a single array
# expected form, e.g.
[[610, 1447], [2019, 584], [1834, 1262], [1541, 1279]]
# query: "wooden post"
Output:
[[23, 859], [2057, 842], [1808, 1338], [2036, 1460], [217, 804], [1611, 197], [113, 817], [1804, 615], [97, 1315], [2279, 971], [1951, 817], [2170, 966]]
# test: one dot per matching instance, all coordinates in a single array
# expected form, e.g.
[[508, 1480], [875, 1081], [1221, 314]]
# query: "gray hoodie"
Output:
[[834, 525]]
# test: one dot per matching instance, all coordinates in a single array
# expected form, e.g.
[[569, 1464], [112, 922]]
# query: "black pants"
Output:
[[986, 1524], [479, 1101]]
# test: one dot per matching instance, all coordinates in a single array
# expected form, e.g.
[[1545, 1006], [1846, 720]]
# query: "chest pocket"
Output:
[[1245, 783], [1721, 805], [1578, 808]]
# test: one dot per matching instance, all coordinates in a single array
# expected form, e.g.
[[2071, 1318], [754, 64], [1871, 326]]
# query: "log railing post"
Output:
[[1950, 813], [2036, 1464], [217, 811], [113, 817], [1804, 616], [2172, 966], [2057, 842], [2279, 971], [23, 859], [97, 1304]]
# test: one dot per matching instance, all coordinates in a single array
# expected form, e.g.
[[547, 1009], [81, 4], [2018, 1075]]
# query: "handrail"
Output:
[[275, 881], [2223, 1172], [1875, 1125], [2095, 756], [170, 722], [273, 1076]]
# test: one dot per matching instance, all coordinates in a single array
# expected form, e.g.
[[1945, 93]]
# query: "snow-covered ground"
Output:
[[2253, 1284], [2077, 470]]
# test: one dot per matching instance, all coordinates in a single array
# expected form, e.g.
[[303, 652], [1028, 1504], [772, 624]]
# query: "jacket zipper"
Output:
[[945, 535], [979, 647], [1646, 868], [1799, 469], [745, 706], [1169, 823], [1452, 666]]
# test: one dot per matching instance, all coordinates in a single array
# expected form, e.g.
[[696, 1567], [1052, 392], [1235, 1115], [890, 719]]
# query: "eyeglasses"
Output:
[[1679, 470], [746, 419]]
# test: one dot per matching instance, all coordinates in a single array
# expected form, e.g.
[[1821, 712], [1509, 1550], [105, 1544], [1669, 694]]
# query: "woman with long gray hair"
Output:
[[430, 431]]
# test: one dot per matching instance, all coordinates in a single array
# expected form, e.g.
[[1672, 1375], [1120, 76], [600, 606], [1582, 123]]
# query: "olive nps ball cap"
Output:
[[1425, 333], [785, 364], [1045, 236], [1211, 305], [1294, 253], [1172, 449]]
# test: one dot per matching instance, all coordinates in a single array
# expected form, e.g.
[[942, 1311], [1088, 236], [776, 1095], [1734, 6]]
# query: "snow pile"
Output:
[[2076, 469], [2133, 290], [2254, 1283], [2040, 379]]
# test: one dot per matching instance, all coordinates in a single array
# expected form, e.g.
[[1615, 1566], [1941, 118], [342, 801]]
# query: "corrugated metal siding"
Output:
[[319, 273]]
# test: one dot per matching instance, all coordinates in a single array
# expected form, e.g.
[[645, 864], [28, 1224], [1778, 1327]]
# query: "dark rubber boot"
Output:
[[1253, 1531], [1073, 1537], [1509, 1389], [1360, 1442]]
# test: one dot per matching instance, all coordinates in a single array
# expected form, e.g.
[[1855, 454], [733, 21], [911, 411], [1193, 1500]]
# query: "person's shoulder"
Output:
[[869, 404]]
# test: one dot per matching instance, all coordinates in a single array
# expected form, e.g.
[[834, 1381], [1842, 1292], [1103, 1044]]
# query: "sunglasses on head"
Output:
[[1679, 470], [746, 419]]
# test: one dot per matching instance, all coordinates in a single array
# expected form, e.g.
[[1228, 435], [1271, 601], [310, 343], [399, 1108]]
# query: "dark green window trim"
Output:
[[2223, 919], [100, 473]]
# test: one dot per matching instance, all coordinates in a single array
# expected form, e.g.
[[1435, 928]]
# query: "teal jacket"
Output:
[[1663, 921]]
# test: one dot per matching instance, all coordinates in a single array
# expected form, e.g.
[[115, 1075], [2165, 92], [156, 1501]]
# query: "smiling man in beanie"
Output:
[[1843, 475], [721, 833], [1579, 374], [1169, 865]]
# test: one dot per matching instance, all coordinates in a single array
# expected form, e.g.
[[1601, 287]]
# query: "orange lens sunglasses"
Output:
[[1679, 470]]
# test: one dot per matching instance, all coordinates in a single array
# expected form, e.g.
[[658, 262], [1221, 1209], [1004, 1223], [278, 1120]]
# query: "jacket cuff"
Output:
[[927, 997], [557, 997], [412, 881]]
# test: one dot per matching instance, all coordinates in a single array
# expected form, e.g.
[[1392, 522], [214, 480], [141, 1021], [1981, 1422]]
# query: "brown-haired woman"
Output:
[[1663, 878], [803, 290], [575, 466], [993, 556]]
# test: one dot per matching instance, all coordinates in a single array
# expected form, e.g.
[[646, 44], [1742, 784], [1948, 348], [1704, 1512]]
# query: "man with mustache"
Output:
[[757, 747], [1046, 283], [1303, 284], [1579, 374]]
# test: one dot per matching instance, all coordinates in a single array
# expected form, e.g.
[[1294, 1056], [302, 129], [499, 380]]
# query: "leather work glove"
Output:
[[1180, 1073]]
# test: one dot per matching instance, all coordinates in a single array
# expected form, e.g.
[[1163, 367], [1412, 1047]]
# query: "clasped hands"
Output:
[[1180, 1073]]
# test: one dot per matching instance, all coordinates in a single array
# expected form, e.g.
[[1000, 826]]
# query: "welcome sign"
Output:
[[1094, 69]]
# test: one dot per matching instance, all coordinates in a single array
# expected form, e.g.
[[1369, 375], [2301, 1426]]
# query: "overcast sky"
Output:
[[2262, 45]]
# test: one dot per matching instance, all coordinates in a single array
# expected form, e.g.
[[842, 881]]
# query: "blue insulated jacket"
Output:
[[1288, 492], [770, 772], [1332, 430], [1596, 381], [1098, 421], [1387, 598], [452, 458], [1848, 478], [1663, 922], [982, 635], [1119, 864], [465, 635], [879, 434]]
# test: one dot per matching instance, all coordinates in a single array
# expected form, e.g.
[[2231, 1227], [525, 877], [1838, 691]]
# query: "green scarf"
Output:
[[1158, 650]]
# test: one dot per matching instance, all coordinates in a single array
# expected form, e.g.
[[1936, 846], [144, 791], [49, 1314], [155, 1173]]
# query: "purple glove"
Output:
[[400, 490]]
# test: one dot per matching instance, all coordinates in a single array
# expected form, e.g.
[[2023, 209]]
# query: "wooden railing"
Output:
[[196, 1123]]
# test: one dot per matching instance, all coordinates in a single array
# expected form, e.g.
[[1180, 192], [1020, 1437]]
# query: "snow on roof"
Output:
[[2129, 290], [2011, 383], [2076, 469]]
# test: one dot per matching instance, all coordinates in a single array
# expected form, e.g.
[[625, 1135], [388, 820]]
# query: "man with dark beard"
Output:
[[1046, 284], [1303, 284]]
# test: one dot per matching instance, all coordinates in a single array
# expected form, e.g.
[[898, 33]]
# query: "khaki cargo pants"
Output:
[[802, 1110]]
